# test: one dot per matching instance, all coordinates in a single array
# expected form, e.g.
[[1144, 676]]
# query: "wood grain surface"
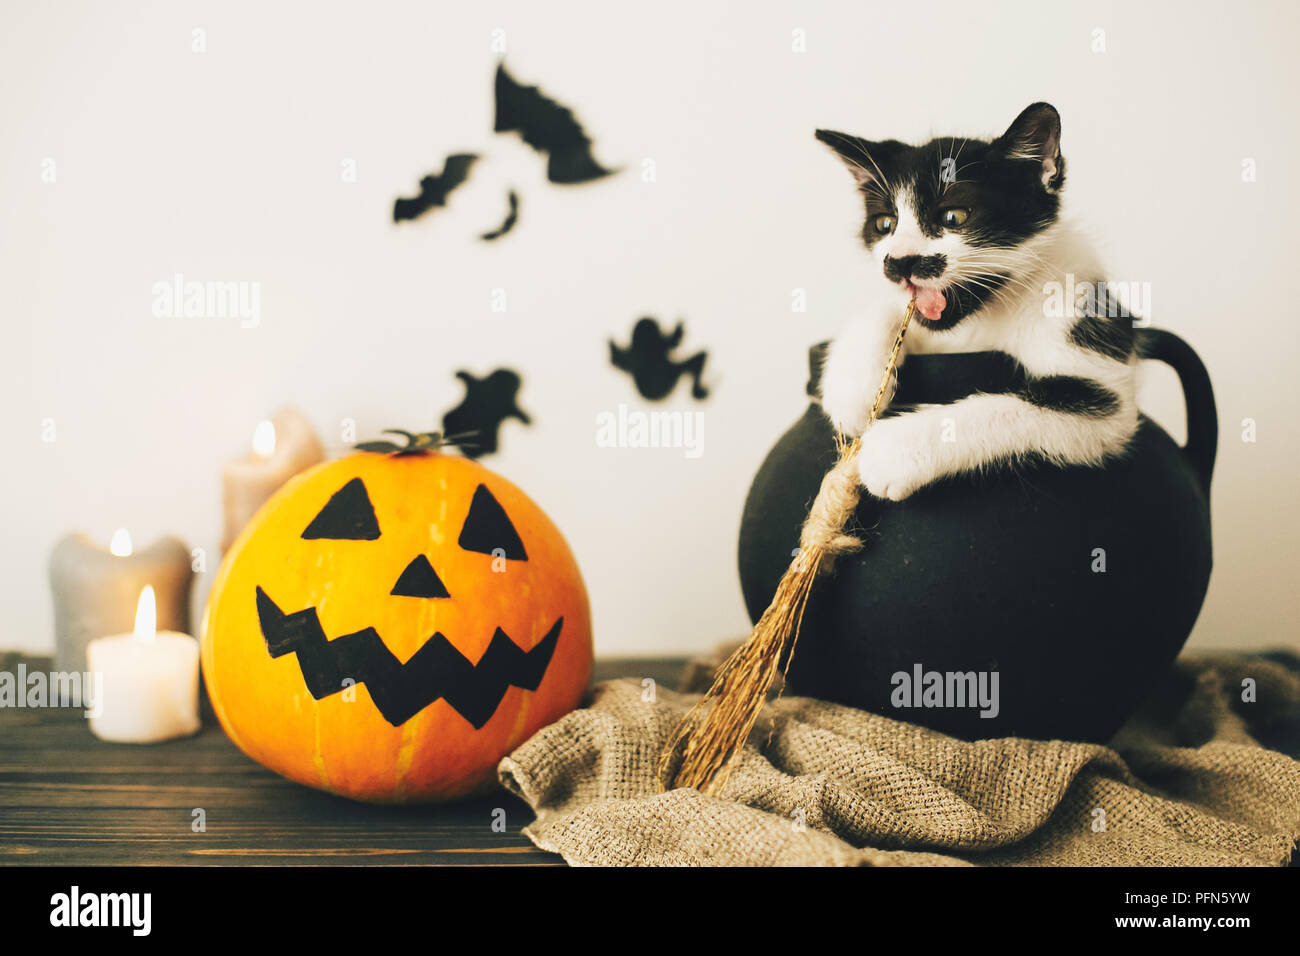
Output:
[[68, 798]]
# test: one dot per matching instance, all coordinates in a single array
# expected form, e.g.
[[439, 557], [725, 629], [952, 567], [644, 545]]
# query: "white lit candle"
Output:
[[150, 681], [120, 546]]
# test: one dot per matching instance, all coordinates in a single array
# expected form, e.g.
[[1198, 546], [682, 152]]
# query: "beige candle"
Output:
[[282, 447], [148, 680]]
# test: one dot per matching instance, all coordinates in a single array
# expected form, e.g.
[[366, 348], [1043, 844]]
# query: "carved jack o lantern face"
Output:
[[388, 627]]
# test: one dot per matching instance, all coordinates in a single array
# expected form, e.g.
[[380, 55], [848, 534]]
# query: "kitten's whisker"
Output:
[[1012, 254], [863, 150], [992, 269], [999, 295], [993, 266], [1009, 283], [964, 141], [1023, 269], [956, 172]]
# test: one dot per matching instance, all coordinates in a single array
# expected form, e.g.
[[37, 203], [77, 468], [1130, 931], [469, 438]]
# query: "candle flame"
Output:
[[121, 543], [146, 615], [264, 439]]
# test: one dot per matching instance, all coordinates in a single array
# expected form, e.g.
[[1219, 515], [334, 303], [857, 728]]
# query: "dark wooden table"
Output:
[[68, 798]]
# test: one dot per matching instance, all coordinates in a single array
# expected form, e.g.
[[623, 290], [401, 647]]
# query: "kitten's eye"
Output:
[[884, 225], [954, 218]]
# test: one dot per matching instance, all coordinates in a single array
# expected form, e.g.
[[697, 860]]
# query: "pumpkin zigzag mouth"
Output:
[[400, 691]]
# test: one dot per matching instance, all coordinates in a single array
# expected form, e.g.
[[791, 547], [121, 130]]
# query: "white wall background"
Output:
[[226, 166]]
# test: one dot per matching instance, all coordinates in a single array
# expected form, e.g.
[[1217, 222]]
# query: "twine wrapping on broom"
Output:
[[712, 735]]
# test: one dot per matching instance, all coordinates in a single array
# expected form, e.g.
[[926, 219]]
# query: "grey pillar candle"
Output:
[[282, 447], [96, 591]]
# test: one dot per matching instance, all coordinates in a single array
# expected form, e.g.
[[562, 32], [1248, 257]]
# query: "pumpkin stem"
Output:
[[416, 443]]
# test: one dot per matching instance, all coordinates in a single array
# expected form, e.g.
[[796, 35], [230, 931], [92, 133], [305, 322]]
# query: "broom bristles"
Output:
[[712, 735]]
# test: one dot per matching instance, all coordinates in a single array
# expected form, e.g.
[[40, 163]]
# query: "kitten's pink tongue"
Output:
[[931, 303]]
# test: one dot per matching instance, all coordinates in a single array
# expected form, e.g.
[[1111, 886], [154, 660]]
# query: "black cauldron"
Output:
[[1076, 587]]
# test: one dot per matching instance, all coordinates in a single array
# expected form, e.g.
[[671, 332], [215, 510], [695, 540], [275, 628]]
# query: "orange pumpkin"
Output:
[[389, 626]]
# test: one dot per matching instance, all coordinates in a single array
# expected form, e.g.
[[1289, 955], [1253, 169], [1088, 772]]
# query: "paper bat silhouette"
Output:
[[511, 218], [547, 127], [435, 189]]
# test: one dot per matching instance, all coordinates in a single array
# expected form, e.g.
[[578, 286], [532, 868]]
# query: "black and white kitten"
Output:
[[971, 229]]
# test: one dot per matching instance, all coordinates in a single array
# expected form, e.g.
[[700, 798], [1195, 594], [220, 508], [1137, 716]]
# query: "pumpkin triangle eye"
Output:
[[487, 529], [347, 516], [420, 580]]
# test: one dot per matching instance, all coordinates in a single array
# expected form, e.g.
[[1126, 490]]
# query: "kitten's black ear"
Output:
[[856, 153], [1036, 135]]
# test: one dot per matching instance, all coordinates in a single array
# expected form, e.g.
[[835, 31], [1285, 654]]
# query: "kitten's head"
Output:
[[949, 221]]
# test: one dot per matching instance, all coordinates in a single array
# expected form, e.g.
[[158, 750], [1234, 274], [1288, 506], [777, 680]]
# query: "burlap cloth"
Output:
[[1189, 781]]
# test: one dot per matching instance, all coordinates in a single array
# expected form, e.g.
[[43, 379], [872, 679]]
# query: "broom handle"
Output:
[[822, 536], [891, 368], [713, 732]]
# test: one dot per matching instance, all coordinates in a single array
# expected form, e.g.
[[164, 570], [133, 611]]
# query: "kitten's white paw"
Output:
[[896, 458], [851, 375], [845, 401]]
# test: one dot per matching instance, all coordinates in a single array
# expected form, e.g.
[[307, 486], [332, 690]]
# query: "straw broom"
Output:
[[712, 735]]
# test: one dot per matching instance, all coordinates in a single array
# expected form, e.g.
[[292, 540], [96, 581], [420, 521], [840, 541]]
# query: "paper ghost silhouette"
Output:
[[649, 361], [488, 402]]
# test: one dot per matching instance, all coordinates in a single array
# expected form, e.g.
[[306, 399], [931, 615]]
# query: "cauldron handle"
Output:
[[1202, 416]]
